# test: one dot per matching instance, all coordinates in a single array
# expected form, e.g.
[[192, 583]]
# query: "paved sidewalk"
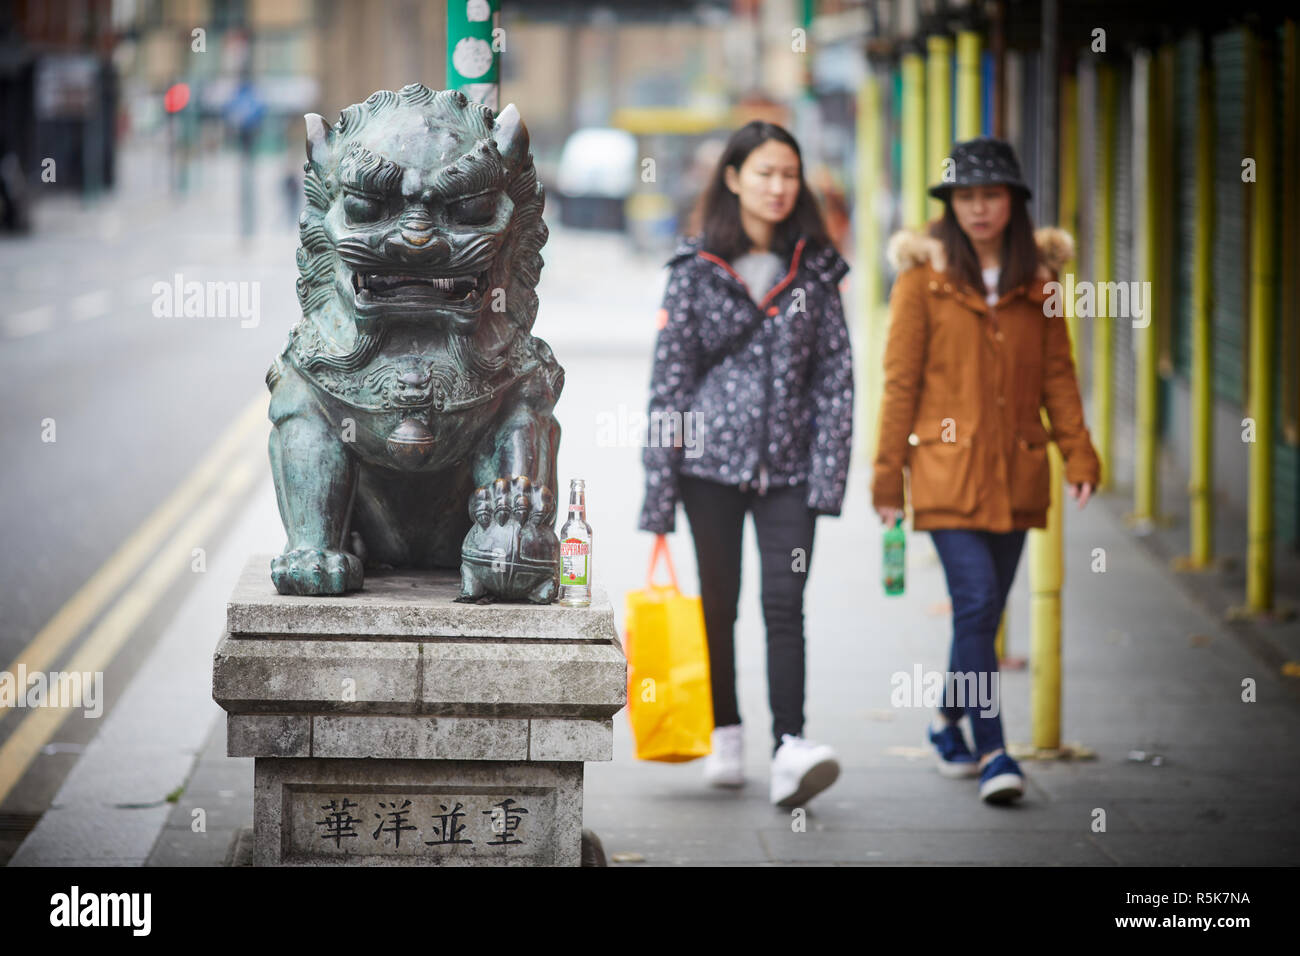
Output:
[[1145, 669]]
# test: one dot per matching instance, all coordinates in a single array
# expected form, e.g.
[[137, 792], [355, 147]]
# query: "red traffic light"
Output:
[[176, 97]]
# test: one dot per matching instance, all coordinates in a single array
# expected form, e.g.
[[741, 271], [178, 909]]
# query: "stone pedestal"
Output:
[[395, 727]]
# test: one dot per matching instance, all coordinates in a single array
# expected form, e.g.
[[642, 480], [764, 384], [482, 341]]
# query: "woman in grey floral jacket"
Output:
[[751, 409]]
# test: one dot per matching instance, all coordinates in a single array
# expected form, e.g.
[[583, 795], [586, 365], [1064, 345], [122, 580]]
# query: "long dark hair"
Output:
[[1019, 250], [717, 214]]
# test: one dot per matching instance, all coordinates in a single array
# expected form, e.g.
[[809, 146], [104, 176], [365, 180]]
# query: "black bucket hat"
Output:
[[982, 162]]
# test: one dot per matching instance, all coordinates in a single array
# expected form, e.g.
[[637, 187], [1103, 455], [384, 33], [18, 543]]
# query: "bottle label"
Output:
[[573, 557]]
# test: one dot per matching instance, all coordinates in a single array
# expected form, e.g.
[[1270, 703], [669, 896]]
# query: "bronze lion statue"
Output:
[[413, 408]]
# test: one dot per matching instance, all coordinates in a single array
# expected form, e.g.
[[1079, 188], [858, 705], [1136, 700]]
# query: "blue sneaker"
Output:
[[951, 753], [1000, 781]]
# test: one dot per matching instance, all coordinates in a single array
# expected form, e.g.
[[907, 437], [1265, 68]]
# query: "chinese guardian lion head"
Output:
[[413, 408]]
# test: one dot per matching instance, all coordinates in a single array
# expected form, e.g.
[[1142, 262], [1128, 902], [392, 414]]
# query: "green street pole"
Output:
[[473, 50]]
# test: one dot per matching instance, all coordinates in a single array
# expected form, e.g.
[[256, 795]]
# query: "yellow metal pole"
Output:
[[1047, 570], [1263, 274], [1146, 488], [867, 242], [1069, 191], [1046, 561], [968, 85], [969, 127], [938, 103], [913, 134], [1102, 356], [1201, 484], [1289, 334]]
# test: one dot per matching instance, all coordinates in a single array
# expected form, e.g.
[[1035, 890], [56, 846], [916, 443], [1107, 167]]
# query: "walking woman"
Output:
[[751, 405], [973, 354]]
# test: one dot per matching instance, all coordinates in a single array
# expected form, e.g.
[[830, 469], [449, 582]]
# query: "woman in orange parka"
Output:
[[975, 350]]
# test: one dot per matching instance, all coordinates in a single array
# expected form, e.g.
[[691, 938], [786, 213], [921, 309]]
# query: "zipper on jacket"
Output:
[[762, 448], [767, 393], [767, 352], [771, 311]]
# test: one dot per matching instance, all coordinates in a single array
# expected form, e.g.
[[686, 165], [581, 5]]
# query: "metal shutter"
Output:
[[1231, 206], [1286, 461], [1125, 214], [1187, 58]]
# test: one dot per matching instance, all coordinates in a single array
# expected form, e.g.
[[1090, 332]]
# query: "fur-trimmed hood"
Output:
[[909, 248]]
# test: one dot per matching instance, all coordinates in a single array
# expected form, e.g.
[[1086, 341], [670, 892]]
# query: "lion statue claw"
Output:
[[316, 571], [413, 409], [509, 547]]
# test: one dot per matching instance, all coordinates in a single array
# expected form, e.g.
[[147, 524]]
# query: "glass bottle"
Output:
[[893, 560], [575, 550]]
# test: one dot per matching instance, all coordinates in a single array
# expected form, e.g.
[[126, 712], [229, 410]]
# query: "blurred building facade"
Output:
[[571, 64], [1088, 91], [58, 88]]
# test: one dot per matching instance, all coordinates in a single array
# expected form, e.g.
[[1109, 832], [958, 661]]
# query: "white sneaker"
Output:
[[801, 769], [725, 766]]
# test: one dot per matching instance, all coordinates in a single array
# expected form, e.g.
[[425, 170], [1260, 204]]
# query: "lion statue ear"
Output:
[[511, 135], [318, 141]]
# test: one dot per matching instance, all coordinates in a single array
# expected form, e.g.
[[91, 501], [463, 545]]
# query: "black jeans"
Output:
[[784, 522]]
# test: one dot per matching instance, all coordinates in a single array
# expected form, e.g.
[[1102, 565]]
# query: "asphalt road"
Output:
[[106, 408]]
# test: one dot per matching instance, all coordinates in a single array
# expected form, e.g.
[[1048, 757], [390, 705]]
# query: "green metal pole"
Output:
[[1263, 274], [473, 52]]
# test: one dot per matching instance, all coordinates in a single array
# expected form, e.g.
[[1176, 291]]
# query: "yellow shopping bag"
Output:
[[669, 700]]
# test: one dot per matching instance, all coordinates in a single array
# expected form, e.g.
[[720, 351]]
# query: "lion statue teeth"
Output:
[[413, 409]]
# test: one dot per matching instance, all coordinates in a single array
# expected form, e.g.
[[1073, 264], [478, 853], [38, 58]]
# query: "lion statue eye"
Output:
[[474, 210], [359, 208]]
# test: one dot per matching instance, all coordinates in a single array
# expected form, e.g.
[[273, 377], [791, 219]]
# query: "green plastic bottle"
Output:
[[894, 559]]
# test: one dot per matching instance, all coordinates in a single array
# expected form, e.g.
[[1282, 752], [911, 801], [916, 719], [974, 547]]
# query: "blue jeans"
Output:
[[979, 566]]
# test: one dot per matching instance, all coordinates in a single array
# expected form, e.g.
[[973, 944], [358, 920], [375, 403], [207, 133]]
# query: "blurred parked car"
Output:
[[596, 175]]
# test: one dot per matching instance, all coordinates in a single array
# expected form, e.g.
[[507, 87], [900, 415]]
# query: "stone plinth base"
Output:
[[416, 813], [395, 727]]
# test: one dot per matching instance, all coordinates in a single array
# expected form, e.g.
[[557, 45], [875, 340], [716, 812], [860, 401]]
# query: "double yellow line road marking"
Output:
[[194, 509]]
